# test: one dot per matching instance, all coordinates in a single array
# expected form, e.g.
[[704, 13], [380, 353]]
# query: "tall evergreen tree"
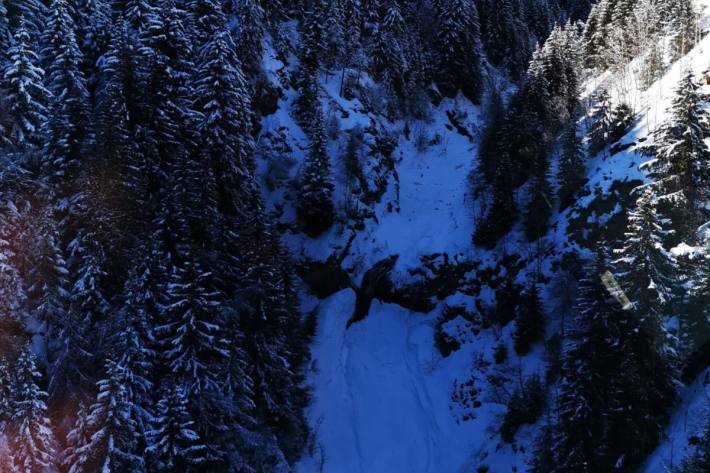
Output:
[[616, 389], [530, 322], [32, 440], [570, 171], [25, 97], [174, 444], [225, 126], [647, 272], [459, 45], [249, 32], [66, 128], [112, 441], [601, 119], [315, 198], [681, 167]]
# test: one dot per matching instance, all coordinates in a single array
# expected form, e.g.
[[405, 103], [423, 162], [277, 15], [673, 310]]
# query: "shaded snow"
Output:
[[382, 398]]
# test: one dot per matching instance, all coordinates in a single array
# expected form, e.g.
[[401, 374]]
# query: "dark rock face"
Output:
[[324, 278], [375, 283], [438, 278], [696, 363], [266, 100]]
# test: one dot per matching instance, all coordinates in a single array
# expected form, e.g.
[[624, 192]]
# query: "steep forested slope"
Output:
[[353, 236]]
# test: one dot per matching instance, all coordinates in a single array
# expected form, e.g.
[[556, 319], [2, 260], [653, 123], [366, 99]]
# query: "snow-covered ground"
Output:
[[382, 398]]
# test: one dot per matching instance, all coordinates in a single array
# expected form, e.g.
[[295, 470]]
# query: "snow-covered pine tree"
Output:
[[111, 445], [24, 94], [192, 342], [388, 55], [501, 215], [530, 321], [225, 126], [5, 32], [174, 445], [66, 128], [644, 268], [33, 444], [313, 35], [646, 271], [459, 66], [82, 333], [249, 32], [268, 322], [7, 394], [138, 358], [616, 389], [12, 286], [315, 197], [600, 123], [570, 170], [352, 17], [95, 27], [47, 281], [622, 117], [681, 168], [77, 437], [137, 13], [115, 152], [33, 12], [167, 72]]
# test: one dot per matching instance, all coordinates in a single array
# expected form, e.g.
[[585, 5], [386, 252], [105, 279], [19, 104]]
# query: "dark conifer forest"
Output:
[[354, 236]]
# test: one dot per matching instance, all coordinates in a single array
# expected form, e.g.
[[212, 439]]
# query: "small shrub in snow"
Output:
[[500, 354], [525, 407]]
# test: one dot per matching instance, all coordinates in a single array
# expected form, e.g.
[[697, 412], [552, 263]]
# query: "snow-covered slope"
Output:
[[384, 398]]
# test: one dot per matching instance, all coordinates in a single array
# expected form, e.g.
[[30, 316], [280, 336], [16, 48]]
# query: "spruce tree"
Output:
[[7, 393], [646, 271], [389, 63], [616, 388], [570, 170], [66, 128], [111, 446], [530, 322], [600, 128], [681, 166], [174, 445], [225, 127], [77, 437], [5, 32], [32, 440], [315, 198], [193, 343], [24, 95], [459, 48], [249, 32]]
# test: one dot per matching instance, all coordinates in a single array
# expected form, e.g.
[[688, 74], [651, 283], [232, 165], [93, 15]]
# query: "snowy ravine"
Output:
[[384, 398]]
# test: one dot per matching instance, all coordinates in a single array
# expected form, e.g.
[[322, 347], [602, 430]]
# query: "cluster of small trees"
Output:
[[134, 244], [518, 144], [620, 362]]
